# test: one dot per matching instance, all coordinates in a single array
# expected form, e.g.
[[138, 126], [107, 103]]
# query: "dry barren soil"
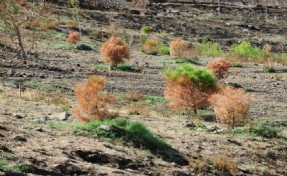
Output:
[[35, 142]]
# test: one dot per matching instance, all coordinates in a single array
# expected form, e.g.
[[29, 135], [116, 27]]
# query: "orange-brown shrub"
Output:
[[115, 51], [267, 48], [150, 46], [224, 163], [91, 101], [72, 24], [134, 96], [219, 68], [189, 87], [231, 106], [22, 2], [73, 38], [178, 48]]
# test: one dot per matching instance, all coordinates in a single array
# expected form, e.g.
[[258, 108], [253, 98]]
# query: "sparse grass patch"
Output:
[[236, 65], [134, 96], [135, 133], [126, 67], [139, 108], [101, 67], [9, 163], [154, 100], [245, 50], [209, 49]]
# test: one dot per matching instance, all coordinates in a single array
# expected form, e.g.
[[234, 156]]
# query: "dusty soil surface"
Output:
[[57, 151]]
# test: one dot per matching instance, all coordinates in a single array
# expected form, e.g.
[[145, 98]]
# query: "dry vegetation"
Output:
[[115, 51], [91, 101], [148, 87]]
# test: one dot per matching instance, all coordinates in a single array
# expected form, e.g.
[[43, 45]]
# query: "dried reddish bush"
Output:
[[115, 51], [267, 48], [72, 24], [150, 46], [231, 106], [178, 48], [73, 38], [189, 87], [134, 96], [91, 101], [219, 68], [22, 2], [224, 164]]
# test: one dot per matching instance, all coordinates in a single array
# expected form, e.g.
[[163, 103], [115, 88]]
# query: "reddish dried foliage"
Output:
[[178, 48], [231, 106], [219, 68], [183, 96], [115, 51], [91, 101], [74, 38]]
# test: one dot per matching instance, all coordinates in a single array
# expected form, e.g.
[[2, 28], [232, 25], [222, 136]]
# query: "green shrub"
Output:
[[246, 50], [164, 50], [209, 49], [199, 76], [101, 67], [123, 130], [264, 130], [146, 29], [126, 67], [269, 70]]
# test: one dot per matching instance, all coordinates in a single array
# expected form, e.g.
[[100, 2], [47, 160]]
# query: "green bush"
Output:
[[123, 130], [209, 49], [246, 50], [164, 50], [146, 29], [269, 70], [264, 130], [199, 76]]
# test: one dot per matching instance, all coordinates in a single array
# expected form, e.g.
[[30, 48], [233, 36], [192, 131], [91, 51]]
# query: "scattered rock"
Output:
[[17, 116], [234, 142], [60, 116], [41, 120], [11, 72], [188, 124], [20, 138], [105, 127]]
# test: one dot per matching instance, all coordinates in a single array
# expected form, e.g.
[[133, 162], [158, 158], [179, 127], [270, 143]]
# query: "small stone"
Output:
[[60, 116], [17, 116], [105, 127], [188, 124], [42, 76], [41, 120], [11, 72], [39, 129], [20, 138]]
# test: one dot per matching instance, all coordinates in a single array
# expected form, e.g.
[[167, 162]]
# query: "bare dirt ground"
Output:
[[50, 150]]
